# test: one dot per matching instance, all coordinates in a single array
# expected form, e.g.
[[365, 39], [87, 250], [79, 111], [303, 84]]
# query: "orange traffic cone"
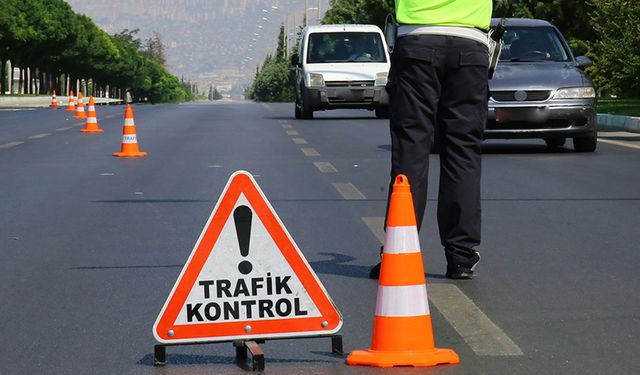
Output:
[[402, 331], [91, 126], [129, 139], [54, 101], [80, 110], [72, 102]]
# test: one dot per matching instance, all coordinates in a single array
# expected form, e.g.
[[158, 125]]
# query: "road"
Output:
[[91, 245]]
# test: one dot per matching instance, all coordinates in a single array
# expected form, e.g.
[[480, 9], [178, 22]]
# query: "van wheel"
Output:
[[585, 144], [298, 110], [306, 112]]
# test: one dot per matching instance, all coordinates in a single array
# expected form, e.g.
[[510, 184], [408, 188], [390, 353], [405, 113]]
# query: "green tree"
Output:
[[358, 11], [616, 53]]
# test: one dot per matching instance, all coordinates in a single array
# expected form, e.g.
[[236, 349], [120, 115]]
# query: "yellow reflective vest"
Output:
[[462, 13]]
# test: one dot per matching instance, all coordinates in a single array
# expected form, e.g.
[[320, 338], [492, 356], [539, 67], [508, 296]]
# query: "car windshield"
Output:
[[532, 44], [345, 47]]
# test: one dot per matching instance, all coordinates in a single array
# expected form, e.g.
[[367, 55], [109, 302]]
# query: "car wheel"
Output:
[[585, 144], [382, 112], [555, 142]]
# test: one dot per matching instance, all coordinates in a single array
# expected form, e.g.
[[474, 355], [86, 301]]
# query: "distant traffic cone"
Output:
[[54, 101], [91, 126], [72, 102], [402, 330], [80, 113], [129, 139]]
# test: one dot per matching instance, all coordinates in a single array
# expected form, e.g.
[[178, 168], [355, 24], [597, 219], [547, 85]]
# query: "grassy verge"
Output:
[[624, 107]]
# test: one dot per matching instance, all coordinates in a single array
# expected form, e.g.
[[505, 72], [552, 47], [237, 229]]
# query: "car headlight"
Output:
[[381, 79], [575, 93], [316, 80]]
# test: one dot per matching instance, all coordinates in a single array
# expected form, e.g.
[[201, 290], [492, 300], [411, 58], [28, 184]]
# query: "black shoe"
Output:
[[460, 272], [374, 274]]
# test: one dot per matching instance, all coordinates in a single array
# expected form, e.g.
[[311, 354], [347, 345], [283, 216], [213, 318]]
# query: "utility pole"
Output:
[[318, 17], [306, 11]]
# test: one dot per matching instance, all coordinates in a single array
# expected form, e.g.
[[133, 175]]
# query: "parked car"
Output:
[[539, 89], [341, 66]]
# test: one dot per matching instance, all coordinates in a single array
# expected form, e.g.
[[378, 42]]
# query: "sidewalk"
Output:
[[45, 101]]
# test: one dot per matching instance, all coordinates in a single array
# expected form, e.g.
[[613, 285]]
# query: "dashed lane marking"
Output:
[[292, 132], [299, 141], [325, 167], [63, 129], [376, 226], [287, 126], [310, 151], [38, 136], [483, 336], [348, 190], [110, 116], [11, 144]]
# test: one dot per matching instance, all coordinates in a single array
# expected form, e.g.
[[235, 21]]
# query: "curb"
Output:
[[44, 101], [607, 122]]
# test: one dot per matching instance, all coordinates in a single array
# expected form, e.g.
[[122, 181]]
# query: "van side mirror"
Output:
[[295, 59], [583, 62]]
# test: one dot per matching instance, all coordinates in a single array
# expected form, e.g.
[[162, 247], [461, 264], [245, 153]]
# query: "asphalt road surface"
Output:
[[91, 245]]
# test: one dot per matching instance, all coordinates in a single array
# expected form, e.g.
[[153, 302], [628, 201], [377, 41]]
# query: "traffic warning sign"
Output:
[[245, 278]]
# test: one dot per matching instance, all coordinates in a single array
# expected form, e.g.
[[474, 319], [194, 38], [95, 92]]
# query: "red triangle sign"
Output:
[[245, 278]]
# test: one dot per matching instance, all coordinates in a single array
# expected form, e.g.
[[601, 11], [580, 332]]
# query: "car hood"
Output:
[[536, 76], [348, 71]]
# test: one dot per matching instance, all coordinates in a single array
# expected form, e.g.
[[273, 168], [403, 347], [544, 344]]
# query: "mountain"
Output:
[[207, 41]]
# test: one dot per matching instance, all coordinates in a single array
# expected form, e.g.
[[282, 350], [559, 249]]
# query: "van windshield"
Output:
[[345, 47]]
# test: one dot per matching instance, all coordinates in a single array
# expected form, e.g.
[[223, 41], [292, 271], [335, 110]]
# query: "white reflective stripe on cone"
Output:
[[80, 109], [91, 120], [408, 300], [129, 138], [128, 122], [92, 108], [401, 240]]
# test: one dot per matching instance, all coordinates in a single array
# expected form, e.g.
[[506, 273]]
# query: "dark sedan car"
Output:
[[539, 89]]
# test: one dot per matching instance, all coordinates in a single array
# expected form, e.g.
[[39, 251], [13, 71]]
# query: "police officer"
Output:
[[438, 82]]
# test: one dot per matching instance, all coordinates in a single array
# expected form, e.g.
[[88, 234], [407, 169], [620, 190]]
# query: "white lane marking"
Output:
[[110, 116], [310, 151], [214, 166], [266, 107], [348, 190], [38, 136], [325, 167], [11, 144], [63, 129], [17, 109], [477, 330], [299, 141], [620, 143], [282, 121], [287, 126], [292, 132], [376, 226], [107, 174]]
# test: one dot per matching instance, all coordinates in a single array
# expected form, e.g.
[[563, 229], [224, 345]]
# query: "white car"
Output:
[[341, 66]]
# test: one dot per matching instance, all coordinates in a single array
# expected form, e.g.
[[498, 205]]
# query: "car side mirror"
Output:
[[295, 59], [583, 62]]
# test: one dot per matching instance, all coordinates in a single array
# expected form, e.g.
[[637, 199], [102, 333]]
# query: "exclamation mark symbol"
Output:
[[242, 217]]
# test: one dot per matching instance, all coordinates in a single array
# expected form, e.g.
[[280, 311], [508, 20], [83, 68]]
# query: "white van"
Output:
[[341, 66]]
